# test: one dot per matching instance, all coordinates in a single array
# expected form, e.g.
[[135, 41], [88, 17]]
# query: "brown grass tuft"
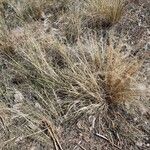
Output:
[[103, 13], [120, 76]]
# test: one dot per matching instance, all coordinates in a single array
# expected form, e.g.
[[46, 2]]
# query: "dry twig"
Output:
[[106, 139]]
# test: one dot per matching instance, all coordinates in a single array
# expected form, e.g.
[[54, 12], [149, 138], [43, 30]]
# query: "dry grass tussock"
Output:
[[103, 13], [68, 81], [84, 74], [93, 13]]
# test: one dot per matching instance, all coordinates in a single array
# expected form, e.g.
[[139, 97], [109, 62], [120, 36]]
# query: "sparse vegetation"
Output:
[[60, 83]]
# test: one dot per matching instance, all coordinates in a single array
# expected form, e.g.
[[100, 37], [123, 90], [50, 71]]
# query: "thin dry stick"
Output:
[[78, 145], [6, 129], [52, 135], [106, 139], [81, 146]]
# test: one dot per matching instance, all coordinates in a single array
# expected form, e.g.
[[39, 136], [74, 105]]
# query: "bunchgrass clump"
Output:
[[85, 73], [103, 13], [92, 81]]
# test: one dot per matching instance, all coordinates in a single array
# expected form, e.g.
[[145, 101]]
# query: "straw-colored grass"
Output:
[[103, 13], [85, 73]]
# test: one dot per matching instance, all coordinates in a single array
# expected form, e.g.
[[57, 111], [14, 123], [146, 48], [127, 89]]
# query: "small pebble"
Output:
[[135, 119], [148, 145], [139, 144]]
